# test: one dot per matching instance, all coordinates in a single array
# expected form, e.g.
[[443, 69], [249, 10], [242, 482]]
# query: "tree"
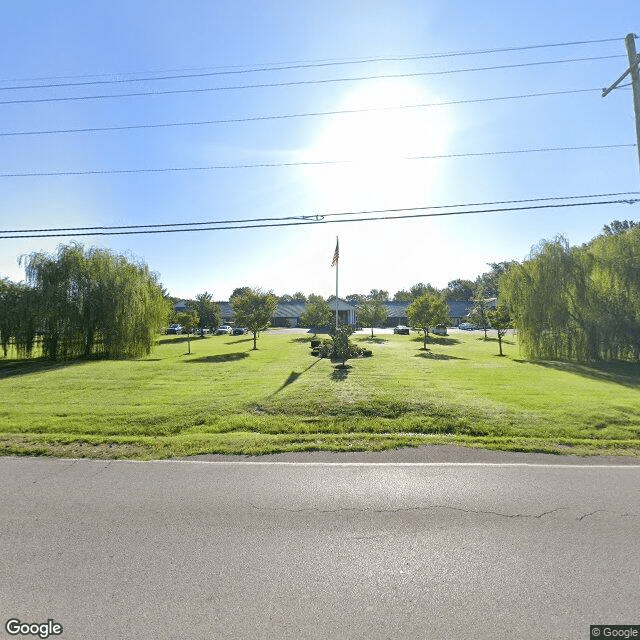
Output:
[[208, 311], [379, 295], [578, 303], [372, 313], [254, 309], [285, 298], [479, 312], [427, 311], [18, 317], [420, 289], [402, 296], [342, 347], [501, 321], [298, 296], [354, 298], [189, 321], [317, 313], [94, 302], [459, 290], [617, 227], [239, 291], [490, 280]]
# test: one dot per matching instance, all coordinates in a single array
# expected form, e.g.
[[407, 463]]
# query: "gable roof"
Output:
[[343, 305]]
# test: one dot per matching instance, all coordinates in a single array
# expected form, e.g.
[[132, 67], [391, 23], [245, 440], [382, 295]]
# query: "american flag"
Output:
[[336, 255]]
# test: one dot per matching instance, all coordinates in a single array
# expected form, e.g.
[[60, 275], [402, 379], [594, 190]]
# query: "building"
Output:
[[288, 314]]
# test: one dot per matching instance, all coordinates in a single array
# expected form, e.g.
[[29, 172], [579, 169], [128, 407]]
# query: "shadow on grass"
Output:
[[223, 357], [623, 373], [442, 340], [293, 376], [340, 372], [490, 339], [10, 368], [373, 340], [179, 340], [240, 340], [429, 355]]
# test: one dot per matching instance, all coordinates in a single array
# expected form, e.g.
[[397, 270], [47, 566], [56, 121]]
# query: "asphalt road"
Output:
[[495, 546]]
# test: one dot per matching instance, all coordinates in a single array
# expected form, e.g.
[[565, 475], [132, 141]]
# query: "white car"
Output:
[[224, 329], [440, 330]]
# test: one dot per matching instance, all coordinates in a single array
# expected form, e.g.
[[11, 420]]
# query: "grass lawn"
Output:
[[226, 398]]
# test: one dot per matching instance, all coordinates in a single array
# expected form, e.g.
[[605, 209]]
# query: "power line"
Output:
[[292, 83], [273, 66], [324, 221], [328, 215], [297, 115], [261, 165]]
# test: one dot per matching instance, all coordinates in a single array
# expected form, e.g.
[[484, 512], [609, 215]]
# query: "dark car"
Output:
[[401, 329], [174, 329], [239, 331]]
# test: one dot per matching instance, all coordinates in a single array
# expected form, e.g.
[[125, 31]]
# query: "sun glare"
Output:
[[377, 145]]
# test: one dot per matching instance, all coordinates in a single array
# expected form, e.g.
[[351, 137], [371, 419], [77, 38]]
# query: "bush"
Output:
[[340, 348]]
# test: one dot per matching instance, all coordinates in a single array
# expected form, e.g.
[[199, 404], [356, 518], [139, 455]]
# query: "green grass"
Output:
[[226, 398]]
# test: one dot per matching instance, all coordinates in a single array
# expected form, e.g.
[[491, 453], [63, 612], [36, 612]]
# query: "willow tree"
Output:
[[95, 302], [578, 303], [18, 318]]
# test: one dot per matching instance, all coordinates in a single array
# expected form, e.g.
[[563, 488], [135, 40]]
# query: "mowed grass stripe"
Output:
[[226, 398]]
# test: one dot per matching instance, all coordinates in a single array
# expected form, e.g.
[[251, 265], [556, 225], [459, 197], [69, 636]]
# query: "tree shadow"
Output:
[[223, 357], [341, 372], [626, 374], [240, 340], [372, 340], [293, 376], [441, 340], [429, 355], [11, 368], [176, 340], [492, 339]]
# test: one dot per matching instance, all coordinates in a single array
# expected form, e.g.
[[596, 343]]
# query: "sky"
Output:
[[329, 108]]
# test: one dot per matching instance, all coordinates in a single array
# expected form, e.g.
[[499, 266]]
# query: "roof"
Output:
[[459, 308], [343, 305], [396, 309], [290, 309]]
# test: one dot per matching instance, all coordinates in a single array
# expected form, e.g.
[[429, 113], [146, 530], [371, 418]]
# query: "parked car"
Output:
[[224, 329], [440, 330], [239, 331], [466, 326], [401, 329], [174, 329]]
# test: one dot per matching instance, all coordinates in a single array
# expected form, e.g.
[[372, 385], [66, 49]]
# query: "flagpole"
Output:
[[337, 261], [336, 256]]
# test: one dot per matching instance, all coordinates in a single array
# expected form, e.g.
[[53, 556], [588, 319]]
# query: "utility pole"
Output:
[[634, 59]]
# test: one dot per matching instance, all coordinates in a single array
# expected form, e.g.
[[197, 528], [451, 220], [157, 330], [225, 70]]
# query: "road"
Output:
[[381, 546]]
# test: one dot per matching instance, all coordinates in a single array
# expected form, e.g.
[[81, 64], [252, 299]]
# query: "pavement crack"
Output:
[[586, 515], [411, 509]]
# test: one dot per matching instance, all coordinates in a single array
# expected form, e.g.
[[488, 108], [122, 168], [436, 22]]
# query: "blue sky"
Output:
[[72, 42]]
